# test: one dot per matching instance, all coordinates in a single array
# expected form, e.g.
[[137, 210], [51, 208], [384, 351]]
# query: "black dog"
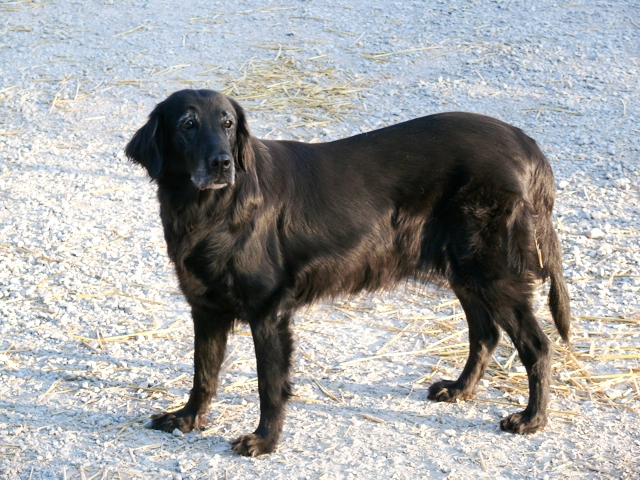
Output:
[[258, 228]]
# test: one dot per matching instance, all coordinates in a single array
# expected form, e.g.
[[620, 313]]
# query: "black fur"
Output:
[[455, 198]]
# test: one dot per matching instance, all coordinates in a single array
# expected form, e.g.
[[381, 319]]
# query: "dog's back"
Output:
[[392, 202]]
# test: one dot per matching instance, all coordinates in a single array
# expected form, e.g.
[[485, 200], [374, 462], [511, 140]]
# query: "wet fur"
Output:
[[456, 198]]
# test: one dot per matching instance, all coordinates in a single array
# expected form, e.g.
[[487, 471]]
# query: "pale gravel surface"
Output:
[[82, 254]]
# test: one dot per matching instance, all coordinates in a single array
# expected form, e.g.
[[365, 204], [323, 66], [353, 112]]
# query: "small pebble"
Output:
[[69, 376], [594, 233], [613, 393]]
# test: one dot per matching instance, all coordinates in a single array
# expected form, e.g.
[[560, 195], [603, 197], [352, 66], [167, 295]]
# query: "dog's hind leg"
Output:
[[535, 351], [273, 342], [493, 257], [210, 344], [484, 335]]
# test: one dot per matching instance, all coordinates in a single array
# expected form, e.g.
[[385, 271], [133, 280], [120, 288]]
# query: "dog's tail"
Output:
[[548, 246], [558, 293], [536, 236]]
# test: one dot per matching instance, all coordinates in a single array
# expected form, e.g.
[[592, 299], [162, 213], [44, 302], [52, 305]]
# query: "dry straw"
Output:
[[313, 91], [596, 367]]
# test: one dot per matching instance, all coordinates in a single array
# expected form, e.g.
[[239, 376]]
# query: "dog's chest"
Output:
[[193, 254], [218, 269], [203, 277]]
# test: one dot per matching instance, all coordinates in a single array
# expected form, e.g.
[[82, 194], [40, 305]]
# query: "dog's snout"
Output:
[[220, 162]]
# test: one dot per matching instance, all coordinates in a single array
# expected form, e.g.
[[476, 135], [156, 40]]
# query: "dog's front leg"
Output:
[[211, 332], [273, 342]]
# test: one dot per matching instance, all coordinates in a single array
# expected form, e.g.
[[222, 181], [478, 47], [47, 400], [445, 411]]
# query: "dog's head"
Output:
[[201, 134]]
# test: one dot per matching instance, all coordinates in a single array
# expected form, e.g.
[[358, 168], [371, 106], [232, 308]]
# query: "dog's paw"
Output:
[[252, 445], [445, 391], [183, 420], [523, 423]]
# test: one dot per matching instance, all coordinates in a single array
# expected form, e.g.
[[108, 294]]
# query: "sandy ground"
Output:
[[94, 335]]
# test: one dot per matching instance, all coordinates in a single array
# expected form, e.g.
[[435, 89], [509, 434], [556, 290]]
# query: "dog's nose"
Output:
[[220, 162]]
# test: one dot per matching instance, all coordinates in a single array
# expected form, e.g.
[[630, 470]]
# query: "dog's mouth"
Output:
[[206, 181], [209, 185]]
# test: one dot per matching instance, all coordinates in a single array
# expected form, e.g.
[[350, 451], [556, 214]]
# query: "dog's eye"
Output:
[[188, 125], [228, 124]]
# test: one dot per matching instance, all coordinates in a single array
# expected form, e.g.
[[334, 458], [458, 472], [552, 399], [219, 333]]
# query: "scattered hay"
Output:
[[543, 108], [483, 50], [372, 418], [123, 338], [139, 27], [595, 368], [315, 92]]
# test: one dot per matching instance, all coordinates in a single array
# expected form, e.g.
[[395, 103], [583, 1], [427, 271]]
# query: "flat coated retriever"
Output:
[[258, 228]]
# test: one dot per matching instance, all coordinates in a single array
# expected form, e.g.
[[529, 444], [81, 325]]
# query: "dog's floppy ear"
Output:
[[243, 149], [248, 194], [145, 148]]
